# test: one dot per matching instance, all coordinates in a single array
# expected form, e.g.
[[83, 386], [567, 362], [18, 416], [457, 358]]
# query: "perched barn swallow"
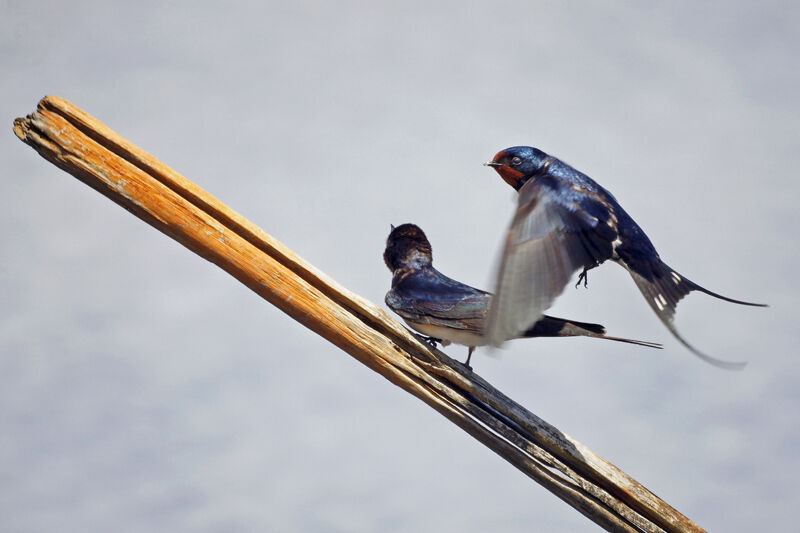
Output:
[[446, 310], [565, 222]]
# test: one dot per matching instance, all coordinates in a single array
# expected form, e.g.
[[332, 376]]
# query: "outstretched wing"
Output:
[[558, 228]]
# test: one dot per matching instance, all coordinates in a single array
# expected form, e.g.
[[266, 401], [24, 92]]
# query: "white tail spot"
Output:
[[656, 300], [676, 278]]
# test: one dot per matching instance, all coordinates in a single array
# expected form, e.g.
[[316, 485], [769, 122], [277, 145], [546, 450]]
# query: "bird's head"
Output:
[[518, 164], [407, 246]]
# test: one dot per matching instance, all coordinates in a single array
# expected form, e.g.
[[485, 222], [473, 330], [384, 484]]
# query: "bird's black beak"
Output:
[[491, 164]]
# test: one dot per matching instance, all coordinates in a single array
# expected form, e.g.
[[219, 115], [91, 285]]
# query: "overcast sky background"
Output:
[[143, 389]]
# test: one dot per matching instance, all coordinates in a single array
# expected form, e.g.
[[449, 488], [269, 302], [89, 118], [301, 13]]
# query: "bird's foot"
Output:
[[584, 277], [431, 341], [469, 356]]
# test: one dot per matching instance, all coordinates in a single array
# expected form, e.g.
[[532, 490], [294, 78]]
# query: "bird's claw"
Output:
[[584, 277], [431, 341], [469, 356]]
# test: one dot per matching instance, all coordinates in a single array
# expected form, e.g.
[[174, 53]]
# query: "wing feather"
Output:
[[462, 307], [556, 230]]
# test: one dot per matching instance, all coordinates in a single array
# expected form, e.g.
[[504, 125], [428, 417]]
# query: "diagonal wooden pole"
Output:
[[82, 146]]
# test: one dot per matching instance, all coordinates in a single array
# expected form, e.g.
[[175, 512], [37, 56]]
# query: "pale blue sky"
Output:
[[141, 388]]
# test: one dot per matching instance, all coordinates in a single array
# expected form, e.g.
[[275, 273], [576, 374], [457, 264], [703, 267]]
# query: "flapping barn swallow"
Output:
[[446, 310], [565, 223]]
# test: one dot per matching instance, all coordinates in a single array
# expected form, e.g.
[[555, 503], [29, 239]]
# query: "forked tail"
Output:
[[550, 326], [665, 290], [649, 344]]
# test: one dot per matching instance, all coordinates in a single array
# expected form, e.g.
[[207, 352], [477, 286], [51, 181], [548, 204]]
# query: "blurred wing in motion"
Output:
[[558, 229]]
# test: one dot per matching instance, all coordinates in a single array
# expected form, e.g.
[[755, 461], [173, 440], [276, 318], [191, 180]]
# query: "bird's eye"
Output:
[[516, 161]]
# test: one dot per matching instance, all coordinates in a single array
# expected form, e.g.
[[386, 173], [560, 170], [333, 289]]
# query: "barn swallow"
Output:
[[446, 310], [566, 222]]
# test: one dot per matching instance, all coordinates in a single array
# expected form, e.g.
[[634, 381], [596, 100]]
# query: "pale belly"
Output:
[[467, 338]]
